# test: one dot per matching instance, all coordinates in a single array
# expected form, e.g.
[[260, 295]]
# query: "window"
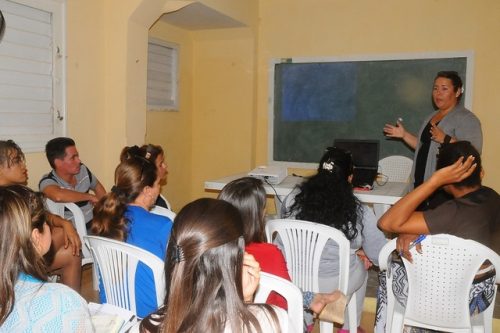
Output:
[[162, 75], [32, 72]]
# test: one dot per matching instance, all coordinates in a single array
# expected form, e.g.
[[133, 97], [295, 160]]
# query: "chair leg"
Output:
[[325, 327], [353, 314], [397, 320]]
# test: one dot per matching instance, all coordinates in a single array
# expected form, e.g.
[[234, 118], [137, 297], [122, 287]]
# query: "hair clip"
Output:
[[178, 253], [148, 155], [328, 166]]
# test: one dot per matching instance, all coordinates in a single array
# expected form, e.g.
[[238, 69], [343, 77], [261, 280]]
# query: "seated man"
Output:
[[70, 180], [63, 258], [473, 213]]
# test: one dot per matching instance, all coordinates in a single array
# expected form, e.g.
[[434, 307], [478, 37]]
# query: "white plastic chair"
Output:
[[397, 168], [117, 262], [439, 281], [292, 294], [78, 221], [158, 210], [303, 244]]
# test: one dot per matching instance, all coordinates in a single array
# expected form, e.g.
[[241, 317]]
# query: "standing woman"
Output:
[[29, 303], [450, 122], [123, 214], [210, 281], [328, 198]]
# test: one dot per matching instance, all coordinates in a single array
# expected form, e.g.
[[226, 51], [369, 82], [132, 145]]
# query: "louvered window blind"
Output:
[[162, 92], [32, 79]]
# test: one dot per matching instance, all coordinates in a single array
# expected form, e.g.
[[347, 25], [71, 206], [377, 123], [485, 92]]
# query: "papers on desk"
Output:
[[108, 318]]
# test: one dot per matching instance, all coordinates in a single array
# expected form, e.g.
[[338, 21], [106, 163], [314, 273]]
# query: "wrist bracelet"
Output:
[[447, 139]]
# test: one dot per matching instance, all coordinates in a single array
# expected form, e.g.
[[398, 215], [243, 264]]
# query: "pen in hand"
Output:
[[416, 241]]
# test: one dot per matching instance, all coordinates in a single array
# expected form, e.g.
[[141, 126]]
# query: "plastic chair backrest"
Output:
[[292, 294], [78, 220], [158, 210], [169, 206], [439, 281], [303, 244], [397, 168], [117, 262]]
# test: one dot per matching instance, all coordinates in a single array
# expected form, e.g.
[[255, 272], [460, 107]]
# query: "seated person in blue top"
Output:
[[328, 198], [70, 180], [29, 303], [123, 214], [156, 155], [473, 213]]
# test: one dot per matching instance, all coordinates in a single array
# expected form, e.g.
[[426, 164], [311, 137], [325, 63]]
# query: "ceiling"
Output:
[[197, 16]]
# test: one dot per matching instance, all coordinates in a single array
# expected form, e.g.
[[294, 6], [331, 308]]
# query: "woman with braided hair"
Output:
[[123, 214]]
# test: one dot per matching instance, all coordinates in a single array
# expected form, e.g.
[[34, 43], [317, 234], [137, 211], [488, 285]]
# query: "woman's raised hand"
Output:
[[392, 131], [437, 134]]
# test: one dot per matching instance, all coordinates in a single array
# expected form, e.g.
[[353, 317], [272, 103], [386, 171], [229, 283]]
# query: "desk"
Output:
[[382, 197]]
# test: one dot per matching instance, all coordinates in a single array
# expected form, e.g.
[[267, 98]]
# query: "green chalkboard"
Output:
[[317, 102]]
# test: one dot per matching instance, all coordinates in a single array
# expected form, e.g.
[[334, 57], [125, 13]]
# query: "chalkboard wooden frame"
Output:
[[460, 59]]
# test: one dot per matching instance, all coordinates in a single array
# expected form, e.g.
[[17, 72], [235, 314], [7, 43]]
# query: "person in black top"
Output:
[[449, 123]]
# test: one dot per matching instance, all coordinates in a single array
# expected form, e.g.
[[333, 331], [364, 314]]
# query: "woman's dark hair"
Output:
[[21, 211], [455, 79], [203, 271], [248, 195], [451, 152], [327, 197], [149, 152], [132, 175], [152, 152], [9, 151]]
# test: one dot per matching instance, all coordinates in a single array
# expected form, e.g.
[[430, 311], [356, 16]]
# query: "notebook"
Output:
[[109, 318], [365, 156]]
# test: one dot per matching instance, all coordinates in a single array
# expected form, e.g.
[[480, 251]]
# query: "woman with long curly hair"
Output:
[[328, 198], [210, 279]]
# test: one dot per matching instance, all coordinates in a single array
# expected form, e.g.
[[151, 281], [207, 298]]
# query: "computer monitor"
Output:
[[365, 155]]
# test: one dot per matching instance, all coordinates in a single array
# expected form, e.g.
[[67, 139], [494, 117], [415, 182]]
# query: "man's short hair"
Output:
[[451, 152], [56, 148]]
